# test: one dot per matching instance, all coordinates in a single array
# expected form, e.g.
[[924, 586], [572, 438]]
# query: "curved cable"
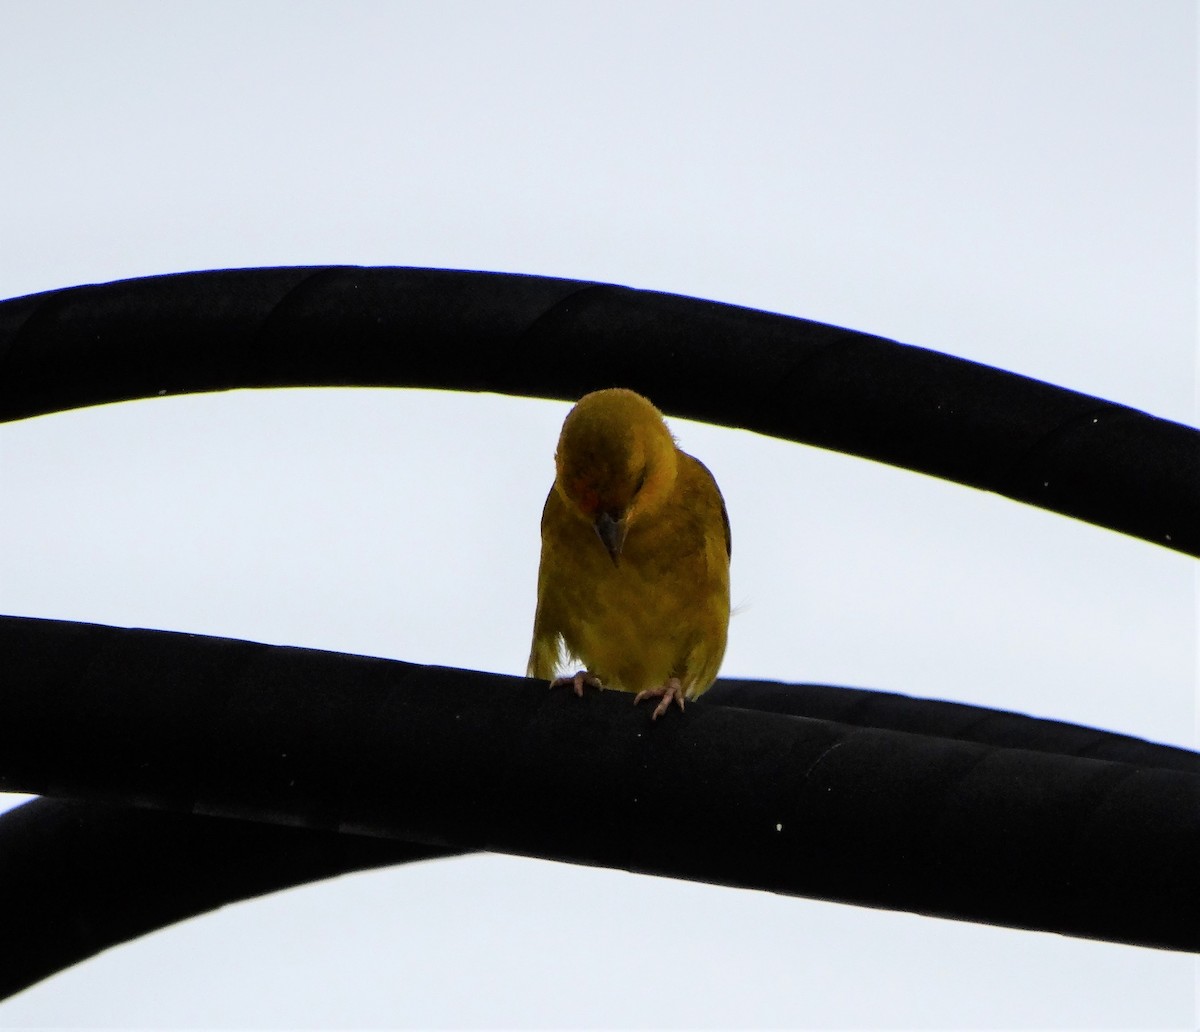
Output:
[[77, 878], [890, 711], [532, 335], [724, 794]]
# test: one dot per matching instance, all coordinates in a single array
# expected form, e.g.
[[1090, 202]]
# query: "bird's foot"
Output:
[[585, 678], [672, 690]]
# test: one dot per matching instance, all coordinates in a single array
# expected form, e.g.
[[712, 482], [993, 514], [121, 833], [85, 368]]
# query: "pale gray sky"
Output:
[[1011, 181]]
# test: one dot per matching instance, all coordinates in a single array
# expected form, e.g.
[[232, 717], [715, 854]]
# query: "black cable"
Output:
[[77, 877], [723, 794], [890, 711], [530, 335]]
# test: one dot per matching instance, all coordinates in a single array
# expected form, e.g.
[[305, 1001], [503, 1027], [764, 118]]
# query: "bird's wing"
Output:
[[546, 651], [720, 498]]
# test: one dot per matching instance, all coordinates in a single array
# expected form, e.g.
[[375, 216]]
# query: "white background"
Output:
[[1011, 181]]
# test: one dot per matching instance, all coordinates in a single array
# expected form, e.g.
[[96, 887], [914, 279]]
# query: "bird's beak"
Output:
[[612, 533]]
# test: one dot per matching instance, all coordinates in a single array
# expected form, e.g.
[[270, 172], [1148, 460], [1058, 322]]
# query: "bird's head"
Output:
[[615, 463]]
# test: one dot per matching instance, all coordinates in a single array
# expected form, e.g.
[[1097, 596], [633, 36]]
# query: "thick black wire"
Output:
[[724, 794], [77, 878], [532, 335], [889, 711]]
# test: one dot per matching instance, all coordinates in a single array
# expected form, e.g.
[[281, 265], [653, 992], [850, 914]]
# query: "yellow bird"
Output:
[[634, 576]]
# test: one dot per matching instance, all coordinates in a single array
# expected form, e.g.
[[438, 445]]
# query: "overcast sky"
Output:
[[1011, 181]]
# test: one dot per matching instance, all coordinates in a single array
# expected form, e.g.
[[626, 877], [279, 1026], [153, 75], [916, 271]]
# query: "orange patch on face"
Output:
[[586, 496]]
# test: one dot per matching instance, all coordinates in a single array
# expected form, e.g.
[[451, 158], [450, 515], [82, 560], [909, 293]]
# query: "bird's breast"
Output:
[[652, 616]]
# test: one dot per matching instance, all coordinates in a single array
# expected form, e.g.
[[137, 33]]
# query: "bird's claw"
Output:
[[578, 682], [665, 693]]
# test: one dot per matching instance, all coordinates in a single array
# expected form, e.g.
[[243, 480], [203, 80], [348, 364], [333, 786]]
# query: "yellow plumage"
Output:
[[634, 575]]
